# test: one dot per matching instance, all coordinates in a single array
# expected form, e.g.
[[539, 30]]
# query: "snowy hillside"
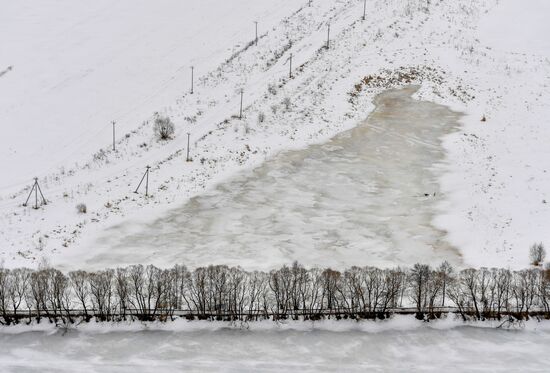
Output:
[[68, 70], [74, 68]]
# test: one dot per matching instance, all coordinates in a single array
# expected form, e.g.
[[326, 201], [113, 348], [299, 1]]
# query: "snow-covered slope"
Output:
[[76, 66], [499, 171], [69, 70]]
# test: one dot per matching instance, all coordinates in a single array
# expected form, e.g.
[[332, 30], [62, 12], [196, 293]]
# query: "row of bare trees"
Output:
[[230, 293]]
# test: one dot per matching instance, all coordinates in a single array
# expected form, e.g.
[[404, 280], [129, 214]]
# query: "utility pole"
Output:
[[114, 135], [364, 9], [328, 36], [290, 73], [241, 110], [192, 71], [188, 136], [36, 189], [147, 182], [256, 40], [146, 177]]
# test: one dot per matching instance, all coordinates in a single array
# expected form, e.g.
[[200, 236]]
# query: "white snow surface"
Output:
[[67, 69], [518, 27], [78, 66]]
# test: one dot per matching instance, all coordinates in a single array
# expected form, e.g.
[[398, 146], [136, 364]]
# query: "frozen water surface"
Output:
[[421, 348], [366, 197]]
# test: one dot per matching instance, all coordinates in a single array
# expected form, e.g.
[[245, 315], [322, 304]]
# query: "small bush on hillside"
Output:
[[81, 208], [261, 117], [287, 103], [164, 128], [272, 88], [537, 253]]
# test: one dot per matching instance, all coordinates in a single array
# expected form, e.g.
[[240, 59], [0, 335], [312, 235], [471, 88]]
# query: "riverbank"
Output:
[[148, 293], [493, 190]]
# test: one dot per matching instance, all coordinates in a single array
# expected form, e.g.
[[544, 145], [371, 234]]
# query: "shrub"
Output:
[[287, 103], [164, 128], [81, 208], [261, 117], [272, 89], [537, 253]]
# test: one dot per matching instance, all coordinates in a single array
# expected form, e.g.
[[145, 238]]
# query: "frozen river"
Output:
[[366, 197], [399, 347]]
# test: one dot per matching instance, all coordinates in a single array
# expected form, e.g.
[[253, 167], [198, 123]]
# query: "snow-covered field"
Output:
[[72, 69], [399, 345], [68, 70], [75, 67]]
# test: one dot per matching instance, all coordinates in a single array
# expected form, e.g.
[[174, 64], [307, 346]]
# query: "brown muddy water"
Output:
[[366, 197]]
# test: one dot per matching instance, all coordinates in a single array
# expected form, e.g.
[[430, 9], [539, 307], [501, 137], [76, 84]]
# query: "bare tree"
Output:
[[230, 293], [469, 279], [537, 254], [257, 288], [544, 288], [280, 285], [331, 282], [101, 290], [418, 280], [18, 288], [502, 278], [395, 285], [445, 271], [122, 291], [36, 298], [4, 295], [458, 296], [58, 297], [433, 290], [81, 287]]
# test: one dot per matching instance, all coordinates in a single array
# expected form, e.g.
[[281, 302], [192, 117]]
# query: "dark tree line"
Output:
[[220, 292]]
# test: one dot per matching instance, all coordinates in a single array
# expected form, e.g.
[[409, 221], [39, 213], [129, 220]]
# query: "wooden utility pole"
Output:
[[364, 9], [36, 189], [241, 110], [192, 77], [256, 39], [114, 135], [328, 36], [290, 73], [188, 137], [146, 177]]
